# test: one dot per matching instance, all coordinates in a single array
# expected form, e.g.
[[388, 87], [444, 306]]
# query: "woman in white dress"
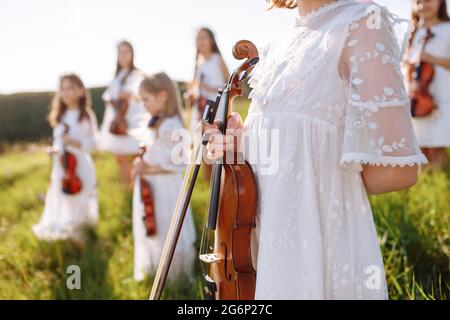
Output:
[[211, 73], [65, 216], [334, 96], [433, 131], [125, 86], [164, 176]]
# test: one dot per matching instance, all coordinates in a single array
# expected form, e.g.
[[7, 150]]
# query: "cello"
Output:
[[421, 75], [226, 264], [70, 183]]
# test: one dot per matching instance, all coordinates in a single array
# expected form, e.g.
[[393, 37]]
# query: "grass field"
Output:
[[413, 226]]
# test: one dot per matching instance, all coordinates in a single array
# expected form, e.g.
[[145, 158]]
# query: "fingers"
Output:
[[219, 144], [213, 126], [235, 121]]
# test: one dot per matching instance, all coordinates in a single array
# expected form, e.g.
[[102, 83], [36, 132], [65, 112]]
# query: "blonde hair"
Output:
[[58, 107], [289, 4], [159, 82]]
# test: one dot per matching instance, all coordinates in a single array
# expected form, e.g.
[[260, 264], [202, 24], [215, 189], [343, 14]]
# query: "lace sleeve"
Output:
[[378, 124]]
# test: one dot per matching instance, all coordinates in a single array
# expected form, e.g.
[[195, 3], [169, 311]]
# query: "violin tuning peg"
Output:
[[243, 75], [254, 61]]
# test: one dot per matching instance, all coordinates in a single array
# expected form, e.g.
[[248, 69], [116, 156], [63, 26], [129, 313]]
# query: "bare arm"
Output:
[[445, 63], [380, 179]]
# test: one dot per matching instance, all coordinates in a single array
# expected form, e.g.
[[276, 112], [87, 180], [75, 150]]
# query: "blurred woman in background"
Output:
[[123, 107], [433, 131], [74, 129], [211, 73], [164, 177]]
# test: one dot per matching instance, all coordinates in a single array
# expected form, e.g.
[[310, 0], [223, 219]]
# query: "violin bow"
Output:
[[184, 198]]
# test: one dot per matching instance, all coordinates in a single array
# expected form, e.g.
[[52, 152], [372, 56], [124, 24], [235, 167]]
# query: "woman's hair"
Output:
[[289, 4], [442, 15], [132, 67], [157, 83], [58, 107], [214, 46]]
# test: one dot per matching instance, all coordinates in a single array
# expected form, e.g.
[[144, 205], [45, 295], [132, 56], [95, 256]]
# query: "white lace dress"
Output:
[[137, 117], [315, 231], [65, 216], [147, 250]]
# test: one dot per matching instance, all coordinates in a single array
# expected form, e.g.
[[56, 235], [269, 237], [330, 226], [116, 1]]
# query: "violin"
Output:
[[147, 201], [119, 125], [421, 75], [225, 253], [226, 263], [71, 183]]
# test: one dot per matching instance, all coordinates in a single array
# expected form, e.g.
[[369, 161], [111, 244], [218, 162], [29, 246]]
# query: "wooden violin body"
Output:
[[70, 183], [421, 76], [233, 273], [119, 124], [228, 261], [147, 201]]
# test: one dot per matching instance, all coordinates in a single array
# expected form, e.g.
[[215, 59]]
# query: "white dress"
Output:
[[137, 117], [65, 216], [315, 236], [165, 187], [209, 72], [434, 130]]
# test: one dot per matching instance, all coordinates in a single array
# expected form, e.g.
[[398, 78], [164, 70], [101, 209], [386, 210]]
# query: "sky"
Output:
[[39, 40]]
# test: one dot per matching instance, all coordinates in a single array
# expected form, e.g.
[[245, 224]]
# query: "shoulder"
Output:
[[170, 124], [354, 10], [136, 75], [216, 59], [371, 25], [92, 118], [443, 27], [377, 18]]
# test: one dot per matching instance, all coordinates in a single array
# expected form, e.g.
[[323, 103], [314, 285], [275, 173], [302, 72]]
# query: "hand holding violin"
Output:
[[142, 168], [138, 167], [69, 141], [124, 96], [219, 143]]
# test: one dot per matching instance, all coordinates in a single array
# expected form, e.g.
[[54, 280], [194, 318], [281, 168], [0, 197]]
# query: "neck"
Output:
[[73, 106], [307, 6], [429, 22], [207, 55]]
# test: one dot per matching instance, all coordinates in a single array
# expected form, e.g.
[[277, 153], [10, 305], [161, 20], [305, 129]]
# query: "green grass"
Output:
[[414, 230]]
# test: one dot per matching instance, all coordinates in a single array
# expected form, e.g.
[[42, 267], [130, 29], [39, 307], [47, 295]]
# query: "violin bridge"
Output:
[[210, 258]]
